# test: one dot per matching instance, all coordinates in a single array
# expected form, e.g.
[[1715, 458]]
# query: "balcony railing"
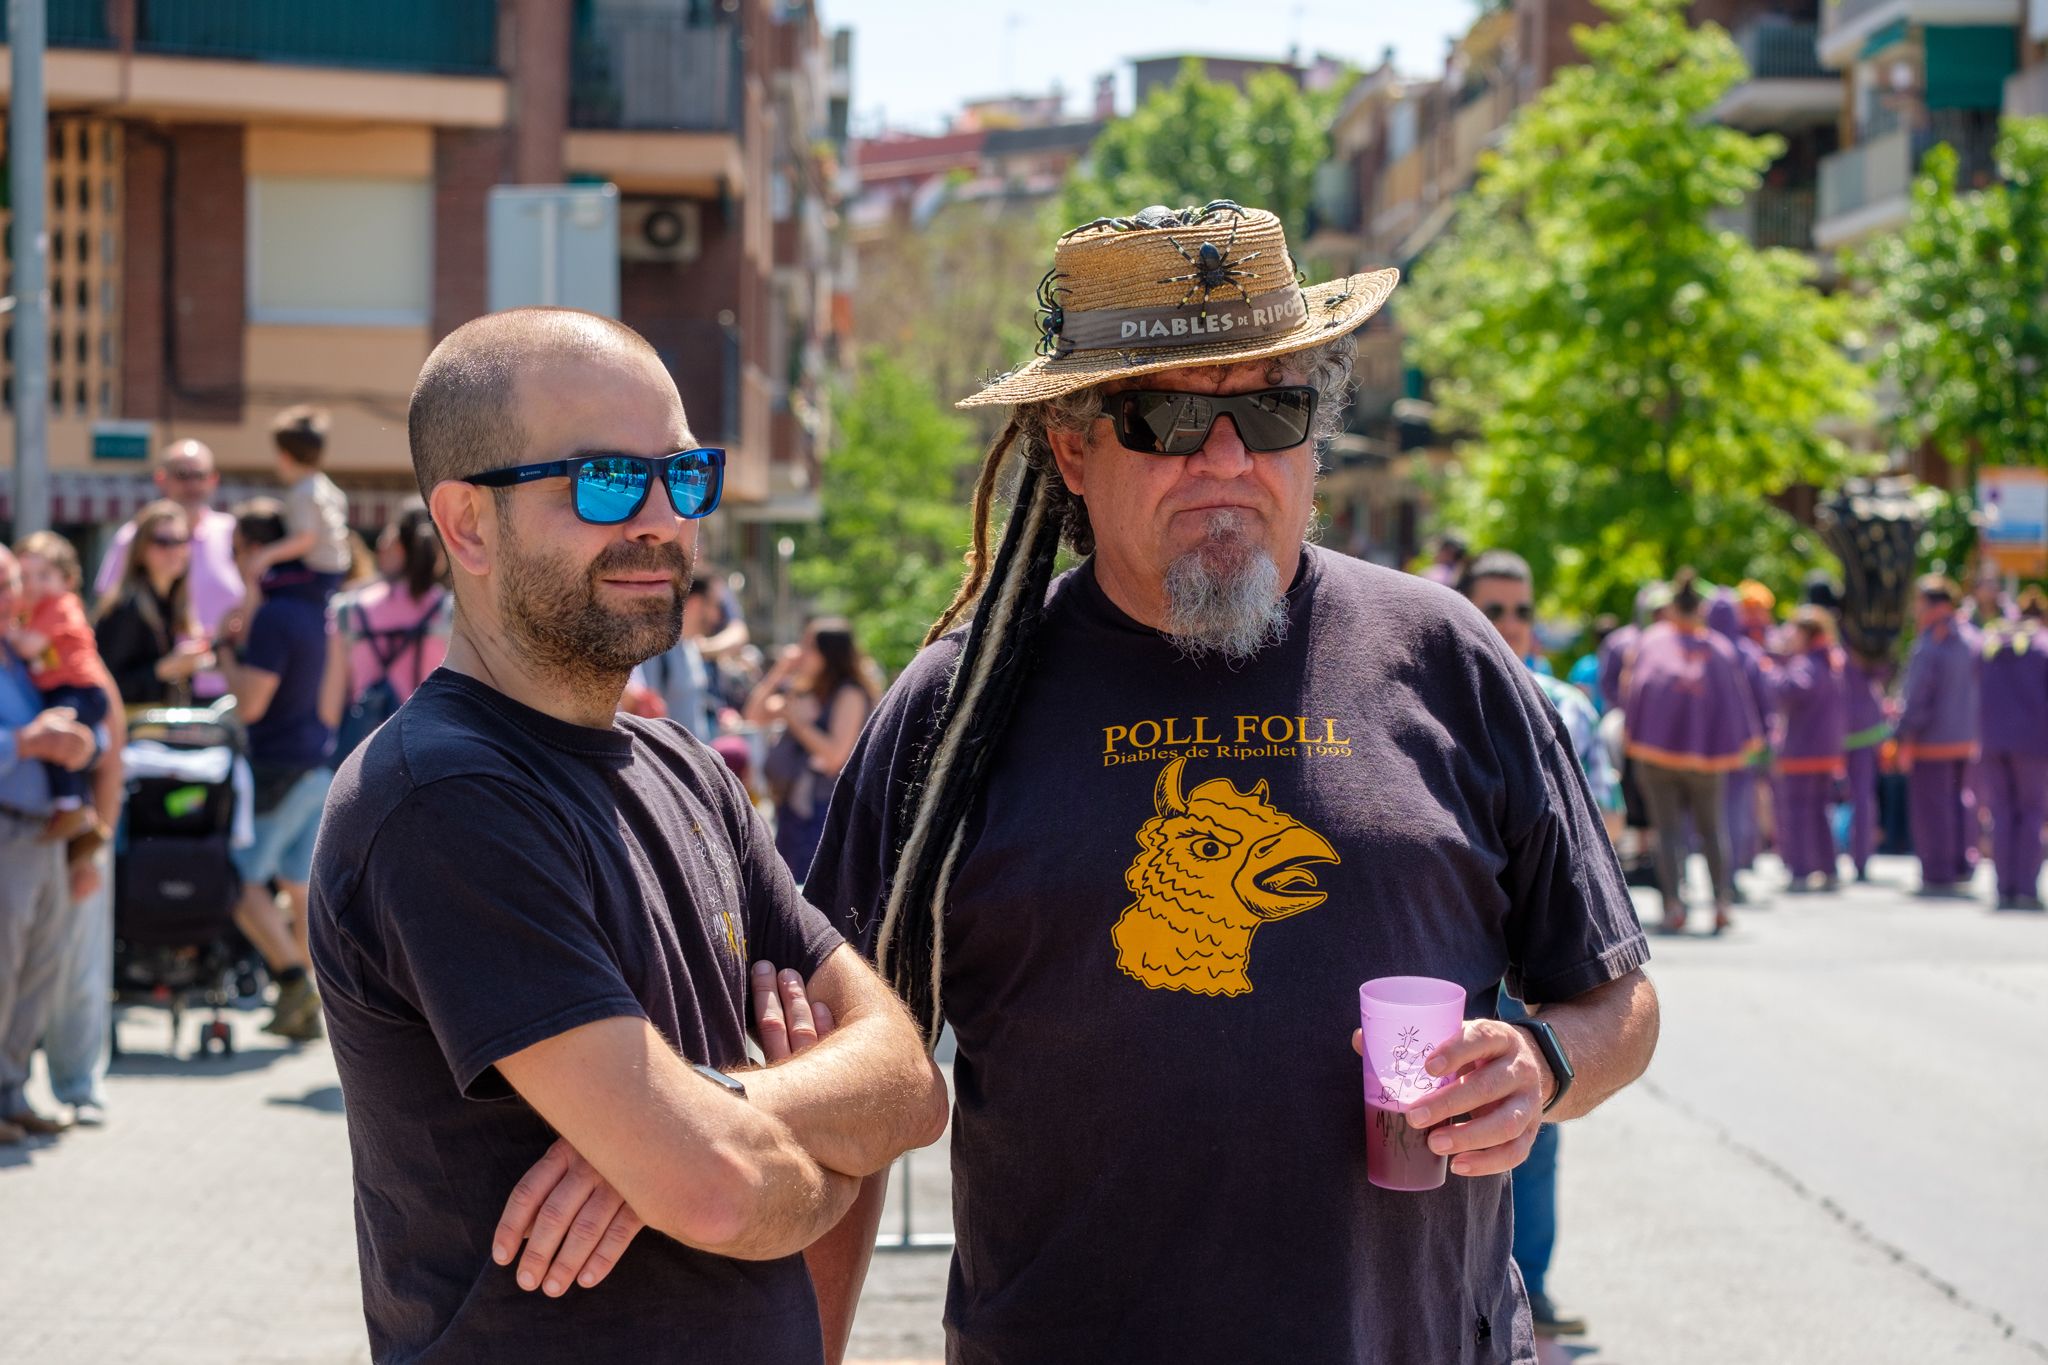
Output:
[[655, 71], [1883, 168], [456, 37], [1840, 13], [1776, 50], [1773, 217], [2026, 93], [70, 23]]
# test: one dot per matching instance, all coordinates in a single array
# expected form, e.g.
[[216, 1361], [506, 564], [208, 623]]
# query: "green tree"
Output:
[[1197, 140], [1641, 382], [1962, 294], [886, 552]]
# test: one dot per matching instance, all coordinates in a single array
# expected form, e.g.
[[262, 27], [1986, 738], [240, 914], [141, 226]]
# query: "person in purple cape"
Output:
[[1938, 739], [1691, 721], [1863, 682], [2014, 681], [1867, 727], [1810, 754], [1745, 833]]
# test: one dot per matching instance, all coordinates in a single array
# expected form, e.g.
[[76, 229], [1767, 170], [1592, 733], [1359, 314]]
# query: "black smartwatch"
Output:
[[718, 1078], [1553, 1057]]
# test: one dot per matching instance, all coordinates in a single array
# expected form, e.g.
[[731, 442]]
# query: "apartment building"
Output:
[[1915, 73], [1405, 150], [254, 203]]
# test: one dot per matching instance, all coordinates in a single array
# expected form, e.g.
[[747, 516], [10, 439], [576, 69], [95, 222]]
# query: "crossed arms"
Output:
[[754, 1178]]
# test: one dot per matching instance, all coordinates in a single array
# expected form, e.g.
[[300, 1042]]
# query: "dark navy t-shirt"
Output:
[[488, 877], [288, 637], [1166, 899]]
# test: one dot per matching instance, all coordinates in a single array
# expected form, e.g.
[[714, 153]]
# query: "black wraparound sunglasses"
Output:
[[610, 489], [1523, 611], [1170, 422]]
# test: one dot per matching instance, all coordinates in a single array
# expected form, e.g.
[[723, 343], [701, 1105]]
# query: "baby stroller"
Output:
[[175, 884]]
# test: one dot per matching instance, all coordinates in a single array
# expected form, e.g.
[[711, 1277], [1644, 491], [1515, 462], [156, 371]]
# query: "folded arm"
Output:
[[863, 1095], [711, 1170]]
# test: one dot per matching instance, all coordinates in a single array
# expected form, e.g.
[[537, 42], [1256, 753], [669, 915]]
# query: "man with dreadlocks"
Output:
[[1139, 834]]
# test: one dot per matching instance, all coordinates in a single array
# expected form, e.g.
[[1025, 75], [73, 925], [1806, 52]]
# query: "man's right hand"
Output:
[[574, 1224], [56, 737]]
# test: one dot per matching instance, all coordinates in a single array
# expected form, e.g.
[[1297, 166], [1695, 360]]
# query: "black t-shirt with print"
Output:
[[1168, 895], [488, 877]]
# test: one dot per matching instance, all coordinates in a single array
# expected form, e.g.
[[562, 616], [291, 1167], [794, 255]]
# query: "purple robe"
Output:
[[1938, 736], [1739, 797], [1814, 712], [2013, 773], [1809, 758], [1614, 654], [2013, 690], [1863, 711], [1688, 701], [1940, 716]]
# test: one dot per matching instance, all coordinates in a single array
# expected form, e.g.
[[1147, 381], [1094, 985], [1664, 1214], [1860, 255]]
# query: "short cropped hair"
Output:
[[301, 432], [260, 521], [464, 417], [1495, 564]]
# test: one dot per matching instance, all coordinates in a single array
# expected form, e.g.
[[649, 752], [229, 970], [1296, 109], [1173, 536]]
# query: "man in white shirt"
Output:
[[186, 475]]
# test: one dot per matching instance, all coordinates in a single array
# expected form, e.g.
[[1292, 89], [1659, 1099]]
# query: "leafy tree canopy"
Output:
[[1640, 380]]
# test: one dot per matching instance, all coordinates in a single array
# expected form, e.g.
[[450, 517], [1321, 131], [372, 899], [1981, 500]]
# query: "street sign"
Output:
[[122, 440], [2013, 504], [555, 246]]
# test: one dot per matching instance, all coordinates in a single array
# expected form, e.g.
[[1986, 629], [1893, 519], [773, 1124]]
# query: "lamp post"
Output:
[[28, 139]]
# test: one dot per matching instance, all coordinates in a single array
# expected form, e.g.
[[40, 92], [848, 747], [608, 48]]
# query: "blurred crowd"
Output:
[[1731, 724], [245, 651]]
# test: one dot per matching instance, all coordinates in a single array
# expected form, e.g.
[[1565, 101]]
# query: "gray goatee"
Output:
[[1223, 597]]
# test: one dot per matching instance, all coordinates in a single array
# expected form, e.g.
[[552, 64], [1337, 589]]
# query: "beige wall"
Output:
[[189, 88]]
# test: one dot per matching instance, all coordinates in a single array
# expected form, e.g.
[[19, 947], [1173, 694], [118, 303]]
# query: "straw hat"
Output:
[[1166, 288]]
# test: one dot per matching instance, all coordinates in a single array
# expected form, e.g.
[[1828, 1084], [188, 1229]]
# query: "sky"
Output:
[[915, 61]]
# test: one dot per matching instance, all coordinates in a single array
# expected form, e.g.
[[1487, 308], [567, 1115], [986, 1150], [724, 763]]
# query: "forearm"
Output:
[[858, 1099], [790, 1200], [1608, 1034], [838, 1263]]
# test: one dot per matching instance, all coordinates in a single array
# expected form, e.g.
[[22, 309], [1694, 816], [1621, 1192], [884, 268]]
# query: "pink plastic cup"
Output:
[[1404, 1019]]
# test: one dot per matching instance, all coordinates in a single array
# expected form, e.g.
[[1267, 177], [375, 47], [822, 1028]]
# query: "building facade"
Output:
[[253, 205]]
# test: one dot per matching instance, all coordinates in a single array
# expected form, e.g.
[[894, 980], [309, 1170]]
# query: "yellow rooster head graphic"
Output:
[[1212, 866]]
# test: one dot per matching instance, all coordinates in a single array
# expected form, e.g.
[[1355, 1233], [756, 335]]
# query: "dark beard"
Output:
[[553, 616]]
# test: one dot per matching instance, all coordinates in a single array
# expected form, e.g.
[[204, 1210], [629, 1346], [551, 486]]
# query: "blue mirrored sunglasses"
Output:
[[610, 489]]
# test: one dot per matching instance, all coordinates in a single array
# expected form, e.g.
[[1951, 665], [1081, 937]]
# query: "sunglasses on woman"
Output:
[[1523, 611], [610, 489], [1170, 422], [167, 542]]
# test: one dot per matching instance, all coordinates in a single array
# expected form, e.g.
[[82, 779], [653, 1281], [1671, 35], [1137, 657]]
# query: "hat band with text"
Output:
[[1253, 319]]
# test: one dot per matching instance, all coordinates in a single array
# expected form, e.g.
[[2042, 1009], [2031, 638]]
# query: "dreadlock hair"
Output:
[[1006, 595]]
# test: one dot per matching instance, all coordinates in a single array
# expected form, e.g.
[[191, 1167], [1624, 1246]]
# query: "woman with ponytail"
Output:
[[1137, 833], [390, 633]]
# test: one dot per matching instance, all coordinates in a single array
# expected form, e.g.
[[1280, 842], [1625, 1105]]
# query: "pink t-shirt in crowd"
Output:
[[388, 607]]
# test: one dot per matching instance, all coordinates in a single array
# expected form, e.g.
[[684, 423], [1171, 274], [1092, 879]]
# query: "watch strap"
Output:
[[729, 1084], [1553, 1057]]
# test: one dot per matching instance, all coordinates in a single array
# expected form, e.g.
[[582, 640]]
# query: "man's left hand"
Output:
[[1499, 1082], [574, 1224]]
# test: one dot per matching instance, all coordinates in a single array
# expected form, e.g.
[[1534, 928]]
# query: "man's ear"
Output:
[[466, 517], [1067, 447]]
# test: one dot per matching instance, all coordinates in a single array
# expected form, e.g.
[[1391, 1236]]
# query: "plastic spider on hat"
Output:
[[1214, 269]]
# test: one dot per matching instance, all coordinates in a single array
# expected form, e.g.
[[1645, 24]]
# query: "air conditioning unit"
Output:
[[659, 230]]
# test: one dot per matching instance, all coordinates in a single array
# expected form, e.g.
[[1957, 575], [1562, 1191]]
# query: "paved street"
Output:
[[1766, 1194]]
